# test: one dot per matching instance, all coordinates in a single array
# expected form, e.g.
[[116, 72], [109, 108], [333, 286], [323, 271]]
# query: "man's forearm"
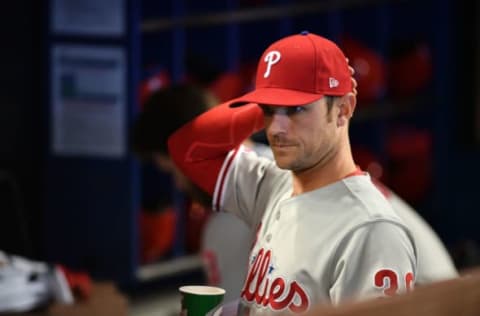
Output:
[[200, 147]]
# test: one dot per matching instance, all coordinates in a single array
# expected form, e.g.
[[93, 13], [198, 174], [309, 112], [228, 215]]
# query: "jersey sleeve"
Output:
[[200, 147], [246, 184], [434, 261], [377, 259]]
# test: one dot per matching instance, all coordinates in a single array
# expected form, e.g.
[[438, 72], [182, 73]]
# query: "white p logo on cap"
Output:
[[271, 59]]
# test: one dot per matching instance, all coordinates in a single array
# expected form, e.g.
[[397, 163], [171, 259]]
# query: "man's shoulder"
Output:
[[368, 202], [248, 161]]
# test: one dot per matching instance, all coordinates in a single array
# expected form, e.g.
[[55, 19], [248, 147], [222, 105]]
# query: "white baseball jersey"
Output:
[[226, 244], [227, 241], [342, 241]]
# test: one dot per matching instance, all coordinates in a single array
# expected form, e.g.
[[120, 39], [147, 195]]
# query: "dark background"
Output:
[[23, 127], [450, 203]]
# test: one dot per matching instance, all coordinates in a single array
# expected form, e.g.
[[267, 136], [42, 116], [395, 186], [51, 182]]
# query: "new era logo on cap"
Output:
[[332, 82], [299, 70]]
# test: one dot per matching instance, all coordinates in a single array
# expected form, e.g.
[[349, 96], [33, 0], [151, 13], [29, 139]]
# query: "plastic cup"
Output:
[[199, 300]]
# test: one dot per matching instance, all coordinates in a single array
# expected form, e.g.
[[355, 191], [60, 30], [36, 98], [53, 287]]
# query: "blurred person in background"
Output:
[[164, 111]]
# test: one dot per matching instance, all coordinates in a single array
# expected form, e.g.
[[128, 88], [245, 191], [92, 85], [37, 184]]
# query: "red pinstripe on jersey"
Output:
[[218, 194]]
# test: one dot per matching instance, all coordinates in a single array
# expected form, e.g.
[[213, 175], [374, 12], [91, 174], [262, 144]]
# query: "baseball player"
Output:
[[229, 253], [324, 232]]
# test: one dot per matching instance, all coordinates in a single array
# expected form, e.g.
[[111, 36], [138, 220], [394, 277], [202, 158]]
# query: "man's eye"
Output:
[[267, 111], [296, 109]]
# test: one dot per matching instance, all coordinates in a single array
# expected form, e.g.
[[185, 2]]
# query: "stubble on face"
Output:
[[312, 146]]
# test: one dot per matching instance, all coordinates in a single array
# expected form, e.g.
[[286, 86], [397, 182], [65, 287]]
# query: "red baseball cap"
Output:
[[298, 70]]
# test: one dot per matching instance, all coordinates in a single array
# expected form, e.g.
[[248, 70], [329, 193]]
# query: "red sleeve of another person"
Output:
[[200, 147]]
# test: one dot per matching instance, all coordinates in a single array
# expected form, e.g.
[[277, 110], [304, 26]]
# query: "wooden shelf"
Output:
[[168, 268], [253, 14]]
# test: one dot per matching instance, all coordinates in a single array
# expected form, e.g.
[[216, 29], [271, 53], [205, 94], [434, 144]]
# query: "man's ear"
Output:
[[346, 105]]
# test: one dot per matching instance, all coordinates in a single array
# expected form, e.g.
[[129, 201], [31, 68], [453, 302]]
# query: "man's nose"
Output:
[[278, 123]]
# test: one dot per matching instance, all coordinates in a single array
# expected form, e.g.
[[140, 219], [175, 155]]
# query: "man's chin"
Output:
[[283, 164]]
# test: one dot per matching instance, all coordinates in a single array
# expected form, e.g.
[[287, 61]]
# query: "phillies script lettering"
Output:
[[276, 294]]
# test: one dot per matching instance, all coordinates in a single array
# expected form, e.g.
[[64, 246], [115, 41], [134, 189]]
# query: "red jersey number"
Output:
[[388, 280]]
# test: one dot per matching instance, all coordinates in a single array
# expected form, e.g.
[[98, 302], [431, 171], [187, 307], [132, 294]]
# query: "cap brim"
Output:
[[275, 96]]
